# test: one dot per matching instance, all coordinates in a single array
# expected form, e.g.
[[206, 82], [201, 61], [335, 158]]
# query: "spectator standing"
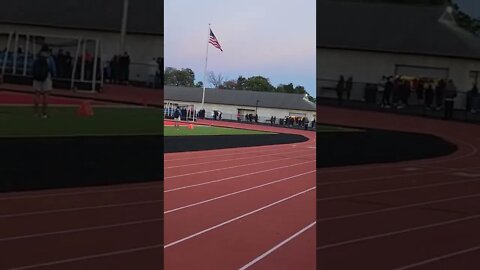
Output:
[[152, 73], [349, 86], [177, 115], [124, 63], [43, 71], [68, 65], [420, 89], [472, 99], [256, 118], [340, 90], [429, 94], [88, 65], [450, 94], [115, 68], [387, 91], [439, 92]]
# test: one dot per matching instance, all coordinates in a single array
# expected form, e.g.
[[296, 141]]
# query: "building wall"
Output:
[[141, 48], [230, 111], [369, 67]]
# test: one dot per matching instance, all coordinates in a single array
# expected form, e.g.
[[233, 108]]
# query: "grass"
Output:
[[325, 128], [62, 121], [208, 130]]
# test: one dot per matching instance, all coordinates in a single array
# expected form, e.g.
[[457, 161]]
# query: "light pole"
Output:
[[124, 26], [256, 107]]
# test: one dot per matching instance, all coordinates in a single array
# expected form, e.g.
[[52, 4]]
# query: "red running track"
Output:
[[421, 214], [12, 98], [110, 227], [242, 208]]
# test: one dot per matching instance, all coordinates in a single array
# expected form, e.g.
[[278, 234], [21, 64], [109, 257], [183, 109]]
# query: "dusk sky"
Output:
[[272, 38], [471, 7]]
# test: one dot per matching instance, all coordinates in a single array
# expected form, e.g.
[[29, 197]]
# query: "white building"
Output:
[[369, 40], [66, 21], [234, 102]]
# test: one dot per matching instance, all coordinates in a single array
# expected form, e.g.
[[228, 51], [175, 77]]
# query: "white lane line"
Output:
[[393, 233], [150, 185], [83, 229], [464, 174], [236, 152], [226, 160], [236, 176], [72, 209], [83, 258], [236, 166], [257, 259], [369, 179], [439, 258], [237, 218], [394, 190], [411, 169], [398, 208], [236, 192]]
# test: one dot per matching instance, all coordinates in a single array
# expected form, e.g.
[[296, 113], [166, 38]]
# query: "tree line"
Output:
[[186, 77]]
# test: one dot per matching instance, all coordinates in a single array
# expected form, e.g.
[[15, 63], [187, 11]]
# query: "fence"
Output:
[[263, 120]]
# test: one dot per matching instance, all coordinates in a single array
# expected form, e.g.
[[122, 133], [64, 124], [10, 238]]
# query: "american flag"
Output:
[[213, 40]]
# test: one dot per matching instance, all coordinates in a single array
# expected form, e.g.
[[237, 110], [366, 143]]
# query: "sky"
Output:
[[471, 7], [271, 38]]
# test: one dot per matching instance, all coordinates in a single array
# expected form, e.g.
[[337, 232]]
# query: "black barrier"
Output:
[[44, 163]]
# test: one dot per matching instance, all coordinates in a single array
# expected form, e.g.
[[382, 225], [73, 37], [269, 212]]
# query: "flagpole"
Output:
[[205, 70]]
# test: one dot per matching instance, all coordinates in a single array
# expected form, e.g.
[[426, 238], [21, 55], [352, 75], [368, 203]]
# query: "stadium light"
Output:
[[124, 26]]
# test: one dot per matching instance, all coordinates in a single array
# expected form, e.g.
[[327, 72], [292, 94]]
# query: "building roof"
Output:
[[144, 17], [390, 27], [239, 98]]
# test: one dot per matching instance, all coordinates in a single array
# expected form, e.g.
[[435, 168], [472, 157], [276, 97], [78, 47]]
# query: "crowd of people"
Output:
[[433, 94], [344, 86], [117, 70]]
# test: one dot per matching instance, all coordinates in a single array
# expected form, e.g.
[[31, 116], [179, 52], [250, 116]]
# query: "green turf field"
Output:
[[208, 130], [63, 121], [326, 128]]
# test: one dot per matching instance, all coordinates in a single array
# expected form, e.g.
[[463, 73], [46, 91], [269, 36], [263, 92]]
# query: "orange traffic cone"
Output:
[[190, 126], [85, 109]]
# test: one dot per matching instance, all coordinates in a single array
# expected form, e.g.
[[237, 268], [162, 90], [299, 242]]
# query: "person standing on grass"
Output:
[[43, 71], [177, 114]]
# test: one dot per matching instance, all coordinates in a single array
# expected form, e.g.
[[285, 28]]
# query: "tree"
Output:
[[176, 77], [241, 81], [259, 83], [216, 80], [199, 84], [466, 21], [300, 90], [230, 84], [285, 88]]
